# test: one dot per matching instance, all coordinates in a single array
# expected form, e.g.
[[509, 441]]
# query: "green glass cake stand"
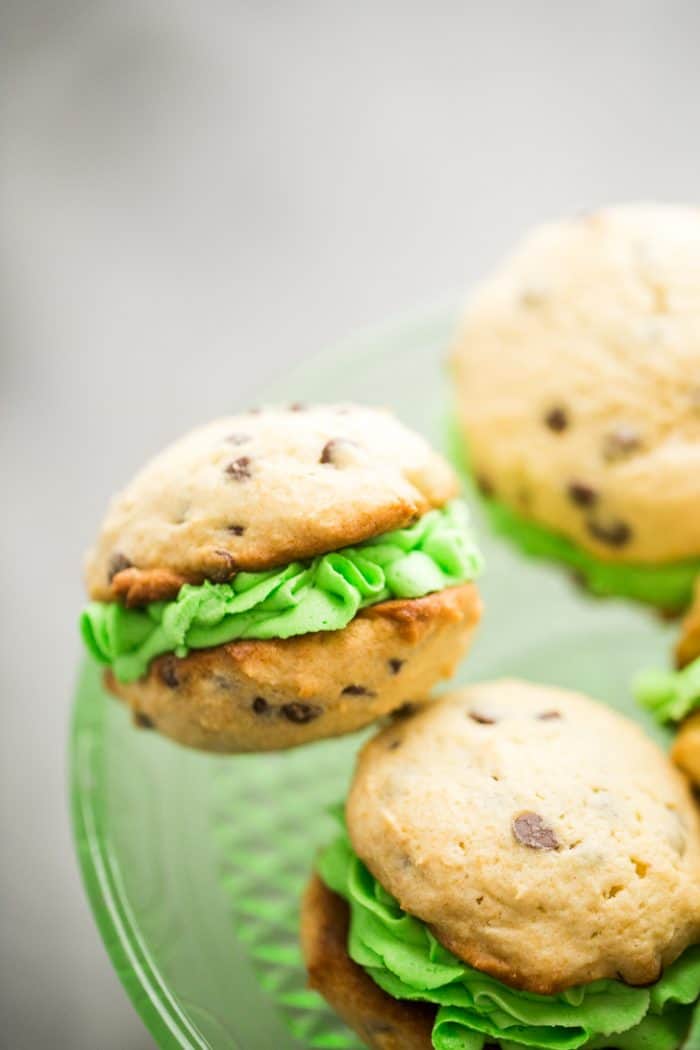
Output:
[[194, 864]]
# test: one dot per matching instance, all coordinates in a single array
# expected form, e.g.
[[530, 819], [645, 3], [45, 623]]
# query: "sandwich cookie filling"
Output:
[[323, 594], [671, 696], [403, 957]]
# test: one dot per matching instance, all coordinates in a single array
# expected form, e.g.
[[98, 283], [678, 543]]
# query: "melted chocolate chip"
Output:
[[393, 745], [396, 665], [260, 705], [236, 530], [357, 690], [168, 673], [613, 533], [482, 719], [238, 439], [549, 716], [335, 451], [581, 494], [405, 711], [301, 713], [117, 563], [143, 721], [557, 419], [531, 830], [224, 568], [620, 443], [239, 469]]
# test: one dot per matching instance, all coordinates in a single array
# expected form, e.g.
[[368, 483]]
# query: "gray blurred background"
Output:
[[193, 196]]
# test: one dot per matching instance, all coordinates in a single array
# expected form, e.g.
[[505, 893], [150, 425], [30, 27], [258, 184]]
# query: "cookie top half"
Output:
[[542, 837], [258, 490], [577, 370]]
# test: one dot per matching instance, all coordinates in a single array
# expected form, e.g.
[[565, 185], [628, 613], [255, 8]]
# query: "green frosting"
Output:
[[664, 586], [320, 595], [670, 695], [403, 957]]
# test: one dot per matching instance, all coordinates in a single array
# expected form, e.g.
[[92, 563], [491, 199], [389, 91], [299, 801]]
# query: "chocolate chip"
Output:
[[239, 469], [557, 419], [613, 533], [549, 716], [393, 745], [396, 665], [238, 439], [405, 711], [531, 830], [143, 721], [581, 494], [620, 443], [260, 705], [485, 485], [168, 673], [236, 530], [224, 568], [301, 713], [298, 406], [482, 719], [357, 690], [335, 451], [117, 563]]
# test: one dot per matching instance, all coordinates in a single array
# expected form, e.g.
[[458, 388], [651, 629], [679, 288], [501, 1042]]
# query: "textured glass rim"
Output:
[[110, 907], [151, 998]]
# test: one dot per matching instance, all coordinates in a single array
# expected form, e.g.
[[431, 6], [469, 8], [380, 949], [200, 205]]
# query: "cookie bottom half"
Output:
[[381, 1022], [280, 693]]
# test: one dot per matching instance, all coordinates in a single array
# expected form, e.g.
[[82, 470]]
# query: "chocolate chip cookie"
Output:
[[577, 381]]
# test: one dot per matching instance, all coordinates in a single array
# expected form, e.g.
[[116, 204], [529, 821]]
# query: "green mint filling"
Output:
[[670, 695], [438, 551], [665, 586], [402, 956]]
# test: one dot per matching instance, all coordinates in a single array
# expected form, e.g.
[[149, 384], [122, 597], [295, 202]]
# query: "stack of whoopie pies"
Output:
[[515, 866]]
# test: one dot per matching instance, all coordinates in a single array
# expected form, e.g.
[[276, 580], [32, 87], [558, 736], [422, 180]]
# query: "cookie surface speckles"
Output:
[[259, 490], [577, 372], [542, 837]]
